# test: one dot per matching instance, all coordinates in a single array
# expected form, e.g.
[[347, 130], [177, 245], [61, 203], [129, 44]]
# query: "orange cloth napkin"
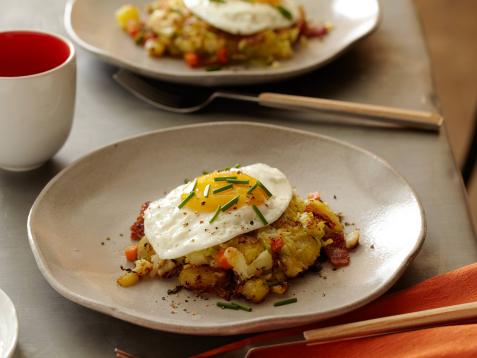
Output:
[[452, 288]]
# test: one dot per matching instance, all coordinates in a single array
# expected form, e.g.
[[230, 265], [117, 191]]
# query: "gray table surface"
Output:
[[389, 68]]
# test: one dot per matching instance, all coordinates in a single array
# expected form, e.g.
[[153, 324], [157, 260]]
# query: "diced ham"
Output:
[[337, 251]]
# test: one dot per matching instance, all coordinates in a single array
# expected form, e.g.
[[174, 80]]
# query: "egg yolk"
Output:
[[223, 187]]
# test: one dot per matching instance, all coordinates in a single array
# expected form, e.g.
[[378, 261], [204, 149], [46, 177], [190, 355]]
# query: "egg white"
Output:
[[240, 17], [175, 232]]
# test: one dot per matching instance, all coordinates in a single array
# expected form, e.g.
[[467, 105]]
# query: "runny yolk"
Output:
[[200, 203]]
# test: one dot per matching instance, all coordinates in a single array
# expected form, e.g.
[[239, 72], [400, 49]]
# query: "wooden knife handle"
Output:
[[404, 117]]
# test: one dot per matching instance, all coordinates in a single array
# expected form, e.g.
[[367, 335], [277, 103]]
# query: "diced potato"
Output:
[[299, 253], [323, 211], [165, 267], [202, 277], [142, 268], [254, 290], [352, 239], [128, 279], [264, 262], [144, 249], [237, 260], [126, 14], [250, 247], [280, 289]]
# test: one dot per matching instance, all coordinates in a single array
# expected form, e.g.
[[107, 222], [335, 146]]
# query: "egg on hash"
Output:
[[239, 232], [214, 33]]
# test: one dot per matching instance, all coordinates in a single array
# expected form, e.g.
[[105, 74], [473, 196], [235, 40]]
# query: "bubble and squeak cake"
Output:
[[239, 232], [214, 33]]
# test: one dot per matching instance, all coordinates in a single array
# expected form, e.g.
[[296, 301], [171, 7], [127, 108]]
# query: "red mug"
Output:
[[37, 96]]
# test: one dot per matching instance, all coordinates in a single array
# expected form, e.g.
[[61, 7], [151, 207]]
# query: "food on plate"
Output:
[[238, 232], [219, 32]]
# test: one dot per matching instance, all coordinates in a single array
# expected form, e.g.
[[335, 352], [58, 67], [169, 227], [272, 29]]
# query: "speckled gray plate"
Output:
[[79, 224], [91, 24]]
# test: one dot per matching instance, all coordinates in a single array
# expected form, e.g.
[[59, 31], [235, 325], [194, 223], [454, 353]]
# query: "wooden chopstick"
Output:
[[393, 324], [399, 116]]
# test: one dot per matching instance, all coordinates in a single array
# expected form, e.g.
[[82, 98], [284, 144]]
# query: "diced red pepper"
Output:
[[222, 260], [277, 244], [133, 28], [192, 59]]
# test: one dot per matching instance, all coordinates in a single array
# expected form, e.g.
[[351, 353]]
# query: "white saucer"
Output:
[[8, 326]]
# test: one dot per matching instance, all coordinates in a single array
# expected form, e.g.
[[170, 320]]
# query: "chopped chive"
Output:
[[194, 185], [263, 187], [260, 215], [224, 178], [237, 181], [249, 191], [242, 306], [217, 212], [205, 172], [186, 180], [223, 188], [237, 166], [285, 13], [225, 305], [231, 203], [206, 190], [187, 198], [285, 302]]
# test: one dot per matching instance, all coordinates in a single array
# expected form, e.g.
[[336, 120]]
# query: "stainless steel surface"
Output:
[[184, 99], [390, 68]]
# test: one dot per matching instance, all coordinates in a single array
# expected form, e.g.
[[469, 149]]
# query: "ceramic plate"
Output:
[[92, 25], [79, 225], [8, 326]]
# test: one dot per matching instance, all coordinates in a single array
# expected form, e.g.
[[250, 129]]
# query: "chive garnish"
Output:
[[260, 215], [260, 184], [223, 188], [217, 212], [225, 305], [285, 302], [194, 185], [242, 306], [206, 190], [224, 178], [187, 198], [234, 306], [237, 181], [285, 13], [237, 166], [231, 203], [249, 191]]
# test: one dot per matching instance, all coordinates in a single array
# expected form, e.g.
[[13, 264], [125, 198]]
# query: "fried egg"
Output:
[[215, 208], [245, 17]]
